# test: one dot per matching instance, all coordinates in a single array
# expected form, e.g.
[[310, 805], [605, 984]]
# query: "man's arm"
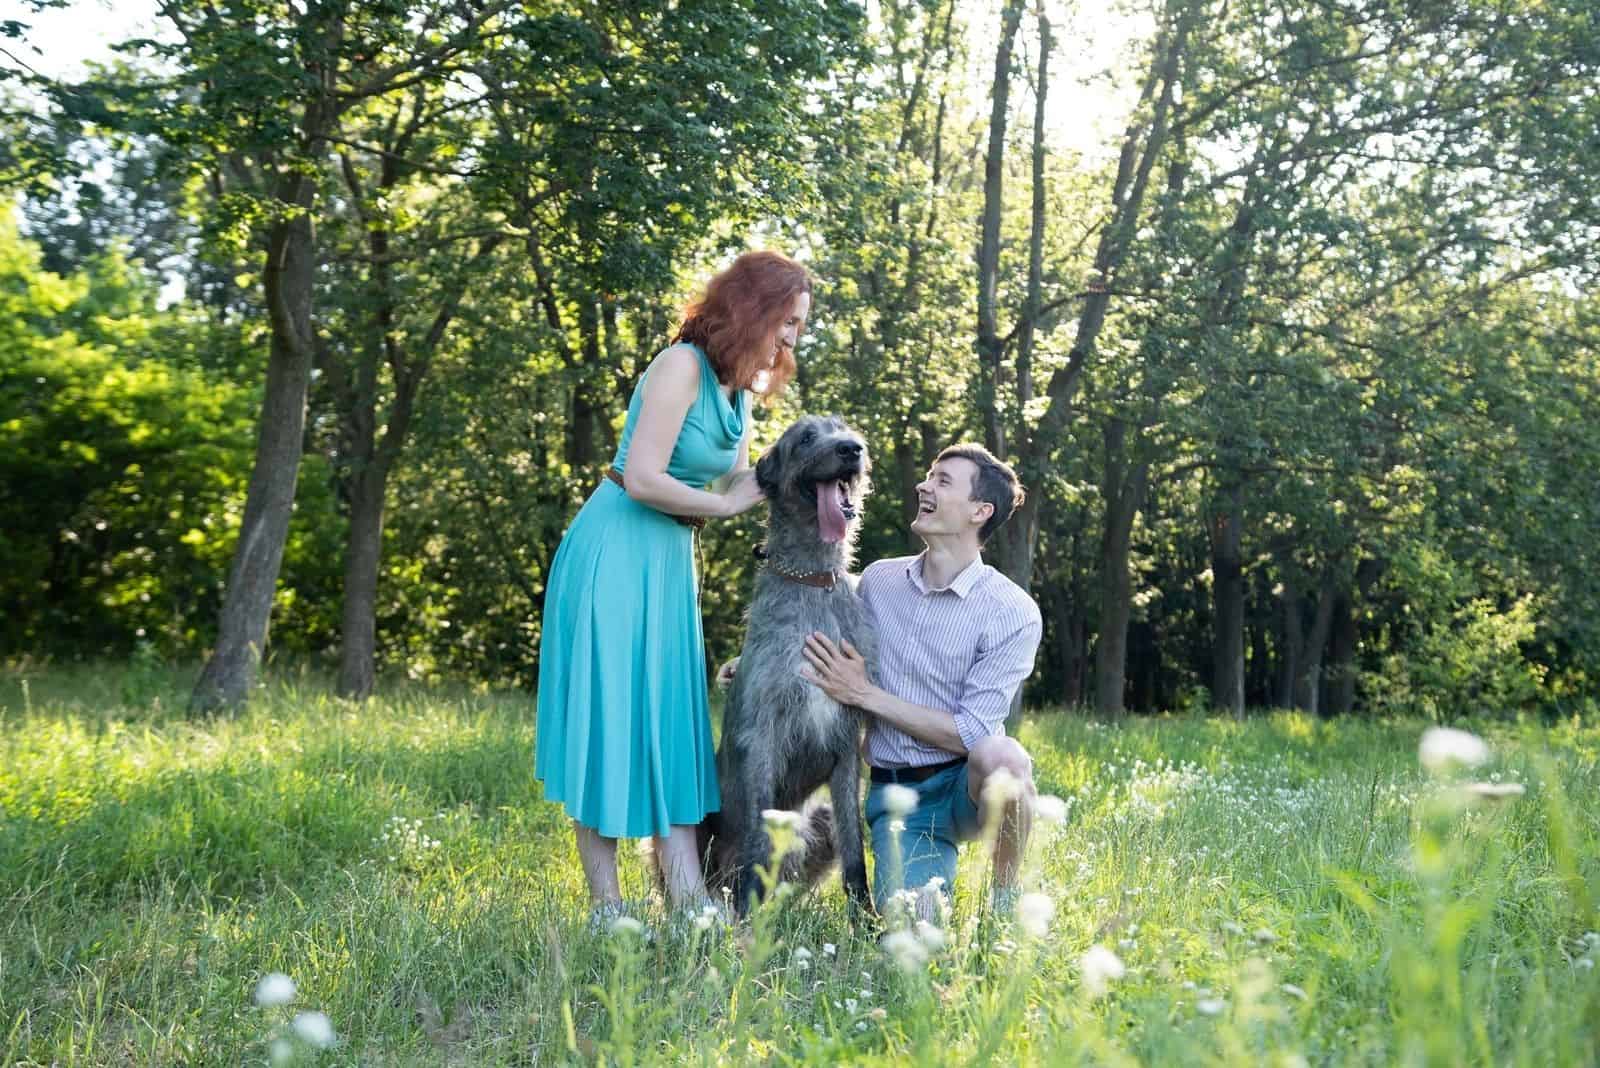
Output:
[[841, 673], [998, 674], [985, 698]]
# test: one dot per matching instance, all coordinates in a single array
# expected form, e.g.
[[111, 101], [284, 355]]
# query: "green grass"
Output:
[[1302, 881]]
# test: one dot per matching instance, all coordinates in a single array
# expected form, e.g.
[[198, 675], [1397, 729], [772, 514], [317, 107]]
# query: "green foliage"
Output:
[[1355, 299], [121, 466], [1469, 663]]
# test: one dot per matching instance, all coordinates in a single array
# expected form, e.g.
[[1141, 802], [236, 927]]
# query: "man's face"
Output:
[[944, 500]]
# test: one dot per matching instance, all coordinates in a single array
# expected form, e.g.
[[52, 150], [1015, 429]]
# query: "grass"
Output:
[[1283, 891]]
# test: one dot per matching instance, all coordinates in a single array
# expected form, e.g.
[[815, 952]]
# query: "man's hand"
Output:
[[726, 672], [839, 672]]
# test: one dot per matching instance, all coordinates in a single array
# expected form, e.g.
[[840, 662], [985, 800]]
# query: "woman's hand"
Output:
[[742, 493], [726, 672]]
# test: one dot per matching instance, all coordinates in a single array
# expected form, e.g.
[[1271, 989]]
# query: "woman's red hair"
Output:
[[742, 308]]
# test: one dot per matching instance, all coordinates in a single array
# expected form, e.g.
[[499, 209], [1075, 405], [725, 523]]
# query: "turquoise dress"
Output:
[[624, 735]]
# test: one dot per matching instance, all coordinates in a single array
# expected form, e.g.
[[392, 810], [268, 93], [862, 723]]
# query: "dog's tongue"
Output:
[[830, 512]]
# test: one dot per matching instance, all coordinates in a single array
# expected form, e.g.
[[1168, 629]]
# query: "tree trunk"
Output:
[[1227, 585], [1071, 633], [1258, 673], [989, 345], [377, 459], [584, 432], [1123, 488], [1340, 672], [1292, 646], [358, 645], [1346, 637], [288, 277], [1308, 681]]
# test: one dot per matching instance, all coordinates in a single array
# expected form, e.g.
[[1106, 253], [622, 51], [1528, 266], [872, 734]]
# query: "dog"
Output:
[[782, 737]]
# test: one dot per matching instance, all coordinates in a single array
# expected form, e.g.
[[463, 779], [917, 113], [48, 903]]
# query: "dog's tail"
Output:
[[808, 864]]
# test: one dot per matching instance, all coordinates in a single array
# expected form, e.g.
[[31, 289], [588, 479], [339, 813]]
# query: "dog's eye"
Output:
[[807, 435]]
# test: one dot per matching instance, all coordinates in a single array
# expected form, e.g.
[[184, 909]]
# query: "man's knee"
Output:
[[994, 760]]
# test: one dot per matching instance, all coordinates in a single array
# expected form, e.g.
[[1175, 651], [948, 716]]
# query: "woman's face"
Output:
[[788, 334]]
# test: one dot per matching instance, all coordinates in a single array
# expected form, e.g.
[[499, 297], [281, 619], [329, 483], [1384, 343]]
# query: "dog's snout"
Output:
[[850, 450]]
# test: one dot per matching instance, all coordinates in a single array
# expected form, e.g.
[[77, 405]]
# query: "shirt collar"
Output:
[[961, 585]]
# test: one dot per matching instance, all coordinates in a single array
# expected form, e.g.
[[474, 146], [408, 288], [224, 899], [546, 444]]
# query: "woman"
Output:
[[624, 738]]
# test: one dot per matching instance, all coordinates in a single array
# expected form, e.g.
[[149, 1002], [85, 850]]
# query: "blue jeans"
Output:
[[945, 816]]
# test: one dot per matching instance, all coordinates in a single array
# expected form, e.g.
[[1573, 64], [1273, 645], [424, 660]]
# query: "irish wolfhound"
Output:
[[782, 737]]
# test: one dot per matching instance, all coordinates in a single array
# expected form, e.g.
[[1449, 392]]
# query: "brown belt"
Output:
[[918, 774], [695, 521]]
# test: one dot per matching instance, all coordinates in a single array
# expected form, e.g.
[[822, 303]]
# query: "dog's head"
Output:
[[817, 475]]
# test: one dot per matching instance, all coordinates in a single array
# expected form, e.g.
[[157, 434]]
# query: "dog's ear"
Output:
[[767, 472]]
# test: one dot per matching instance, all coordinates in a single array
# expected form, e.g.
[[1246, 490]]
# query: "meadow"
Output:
[[1278, 891]]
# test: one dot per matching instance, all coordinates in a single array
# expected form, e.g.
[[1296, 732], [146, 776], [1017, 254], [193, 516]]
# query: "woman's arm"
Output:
[[671, 387], [741, 463]]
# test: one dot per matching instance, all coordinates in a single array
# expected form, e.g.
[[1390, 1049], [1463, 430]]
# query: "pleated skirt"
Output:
[[624, 725]]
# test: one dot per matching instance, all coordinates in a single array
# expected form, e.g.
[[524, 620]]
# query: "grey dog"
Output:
[[782, 737]]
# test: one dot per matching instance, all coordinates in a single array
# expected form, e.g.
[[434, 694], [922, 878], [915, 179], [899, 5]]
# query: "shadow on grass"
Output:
[[264, 821]]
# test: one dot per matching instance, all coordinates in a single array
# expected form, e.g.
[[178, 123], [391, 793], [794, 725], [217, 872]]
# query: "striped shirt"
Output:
[[965, 648]]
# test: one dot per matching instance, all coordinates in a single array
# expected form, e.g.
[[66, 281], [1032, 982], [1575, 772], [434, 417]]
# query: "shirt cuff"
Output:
[[974, 729]]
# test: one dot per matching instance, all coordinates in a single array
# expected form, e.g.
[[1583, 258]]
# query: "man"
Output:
[[956, 639]]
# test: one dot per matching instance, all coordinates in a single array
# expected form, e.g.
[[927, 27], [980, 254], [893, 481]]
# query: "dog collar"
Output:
[[822, 580]]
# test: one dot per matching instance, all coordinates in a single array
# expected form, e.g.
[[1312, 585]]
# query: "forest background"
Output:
[[326, 314]]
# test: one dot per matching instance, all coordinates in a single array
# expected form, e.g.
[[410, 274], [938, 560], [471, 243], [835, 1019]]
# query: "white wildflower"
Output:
[[1264, 936], [899, 800], [625, 925], [1494, 791], [850, 1005], [1210, 1006], [275, 988], [1293, 991], [1443, 748], [1001, 787], [1101, 968], [780, 819], [315, 1028], [930, 935], [905, 949], [1034, 913], [828, 948], [1050, 808]]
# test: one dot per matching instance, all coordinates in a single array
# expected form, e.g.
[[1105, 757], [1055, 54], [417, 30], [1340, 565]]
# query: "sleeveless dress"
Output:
[[624, 729]]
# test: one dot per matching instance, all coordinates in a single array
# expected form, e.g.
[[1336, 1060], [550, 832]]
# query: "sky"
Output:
[[60, 40], [1089, 97]]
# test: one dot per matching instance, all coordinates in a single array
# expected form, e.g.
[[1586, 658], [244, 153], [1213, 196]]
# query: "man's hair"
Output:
[[994, 482]]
